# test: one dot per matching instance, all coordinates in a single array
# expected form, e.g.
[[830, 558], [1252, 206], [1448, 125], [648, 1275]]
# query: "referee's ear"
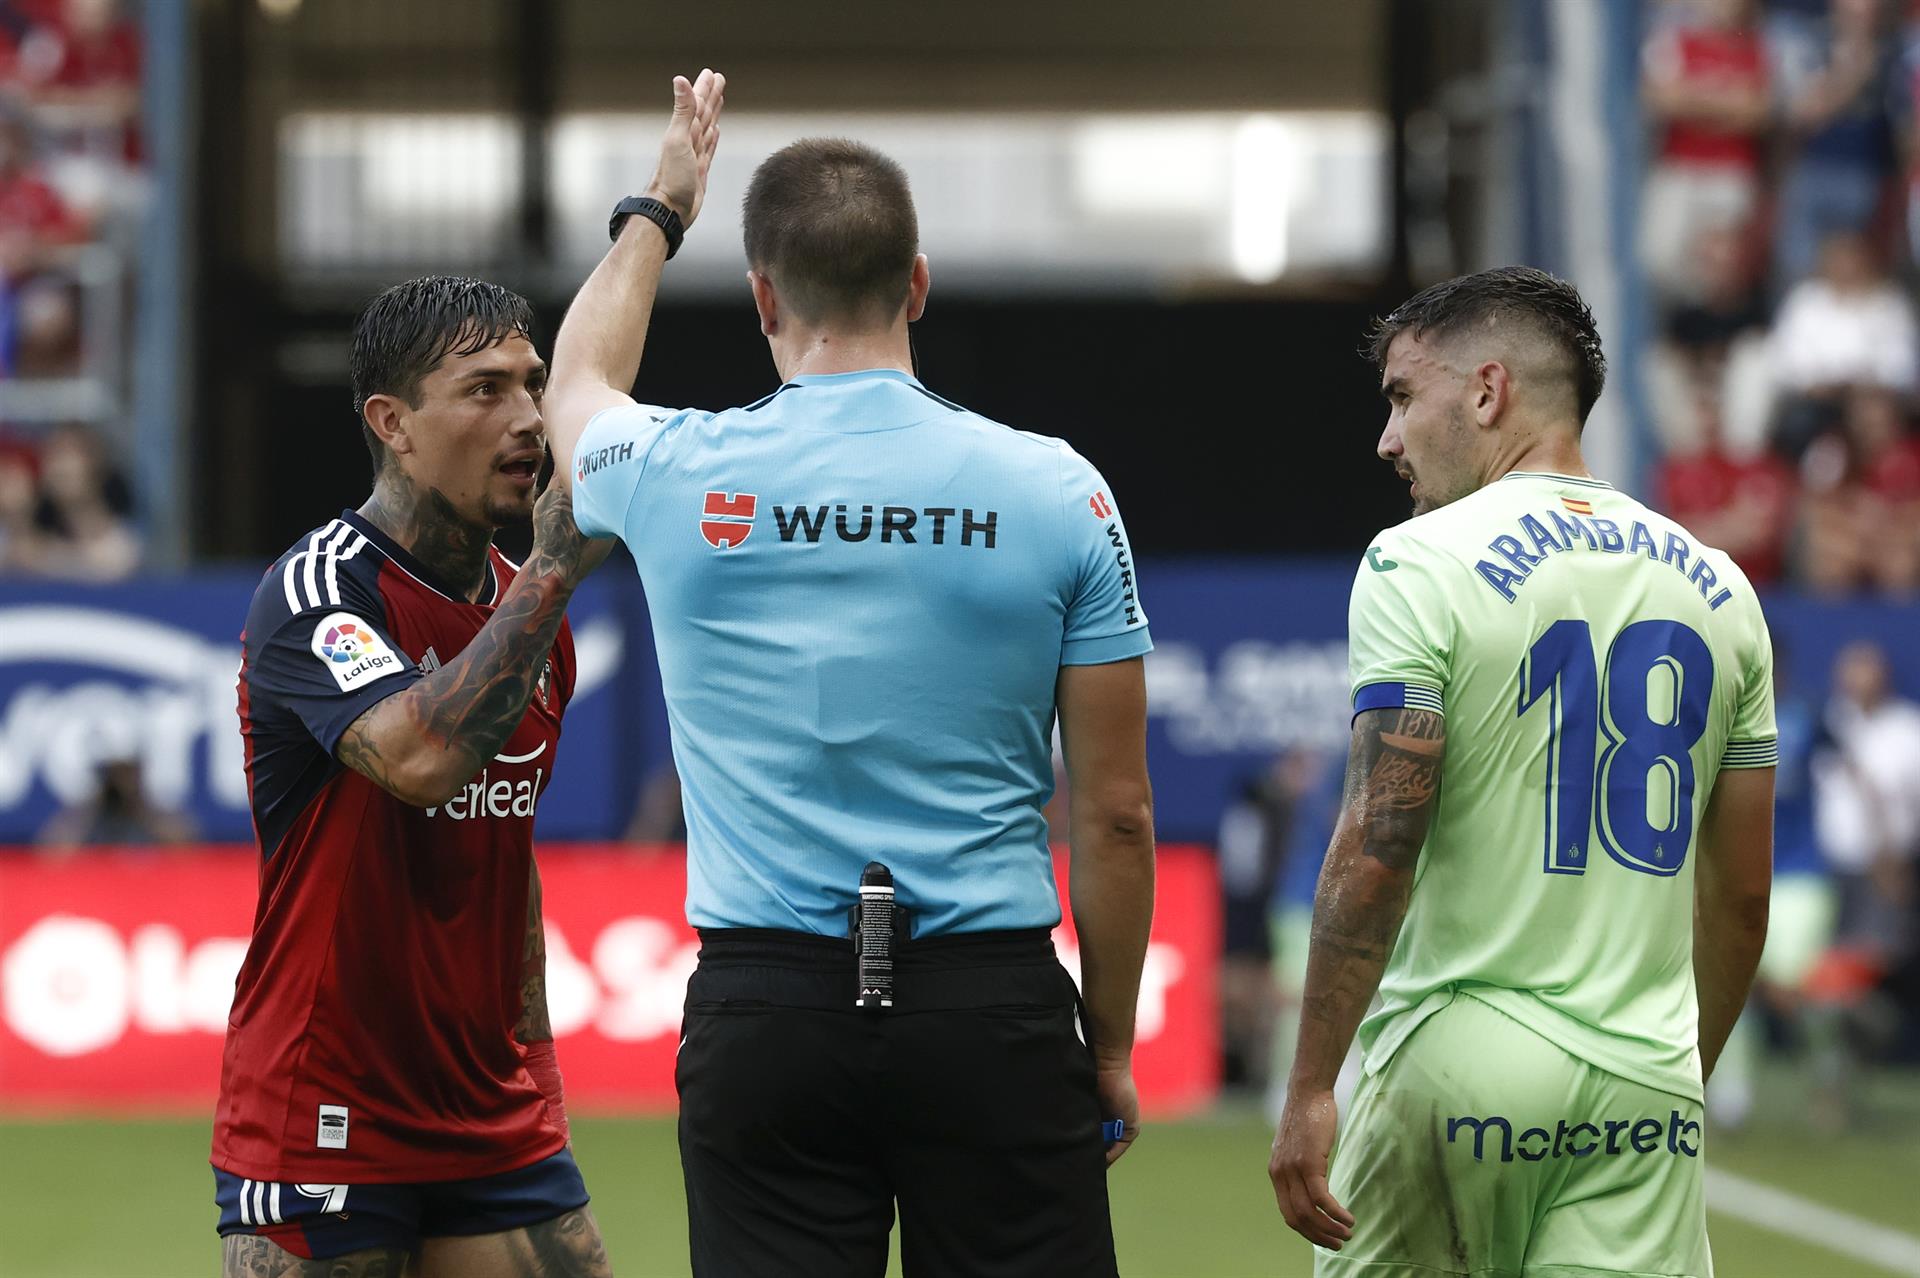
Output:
[[765, 302], [917, 285]]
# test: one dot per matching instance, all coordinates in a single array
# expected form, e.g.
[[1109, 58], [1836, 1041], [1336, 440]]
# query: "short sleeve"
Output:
[[1399, 631], [324, 654], [1753, 740], [609, 461], [1105, 620]]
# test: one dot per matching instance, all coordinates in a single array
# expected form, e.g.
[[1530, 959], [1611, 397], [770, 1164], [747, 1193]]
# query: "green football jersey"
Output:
[[1598, 667]]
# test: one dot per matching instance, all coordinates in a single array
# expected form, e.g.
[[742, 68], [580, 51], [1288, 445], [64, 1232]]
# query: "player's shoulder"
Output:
[[1434, 536], [627, 433], [330, 565], [1727, 572]]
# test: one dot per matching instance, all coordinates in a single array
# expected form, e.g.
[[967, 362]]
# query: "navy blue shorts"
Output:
[[319, 1222]]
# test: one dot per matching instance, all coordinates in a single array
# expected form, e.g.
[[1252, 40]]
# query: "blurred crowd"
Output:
[[72, 183], [1839, 984], [1781, 235]]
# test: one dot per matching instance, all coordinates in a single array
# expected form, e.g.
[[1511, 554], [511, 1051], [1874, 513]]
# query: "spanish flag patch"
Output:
[[1578, 505]]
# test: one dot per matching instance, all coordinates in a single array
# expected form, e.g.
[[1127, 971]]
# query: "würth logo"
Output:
[[1101, 507], [601, 458], [728, 519]]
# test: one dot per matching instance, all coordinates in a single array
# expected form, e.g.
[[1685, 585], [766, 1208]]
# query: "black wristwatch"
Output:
[[656, 212]]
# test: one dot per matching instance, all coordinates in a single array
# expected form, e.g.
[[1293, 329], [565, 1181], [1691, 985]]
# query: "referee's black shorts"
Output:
[[971, 1103]]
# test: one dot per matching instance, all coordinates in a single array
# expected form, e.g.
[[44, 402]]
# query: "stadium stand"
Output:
[[1780, 230], [71, 188]]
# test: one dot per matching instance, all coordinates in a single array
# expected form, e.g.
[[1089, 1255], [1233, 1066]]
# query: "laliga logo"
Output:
[[345, 642], [728, 519]]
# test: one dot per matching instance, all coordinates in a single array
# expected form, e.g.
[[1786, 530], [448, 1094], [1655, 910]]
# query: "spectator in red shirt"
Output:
[[34, 221], [1742, 503], [1862, 518], [1706, 89], [81, 68]]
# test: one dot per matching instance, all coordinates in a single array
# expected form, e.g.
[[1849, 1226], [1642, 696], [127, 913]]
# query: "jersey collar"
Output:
[[1580, 480], [859, 374], [403, 559]]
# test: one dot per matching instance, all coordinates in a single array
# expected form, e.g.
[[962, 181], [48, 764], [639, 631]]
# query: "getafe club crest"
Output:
[[727, 519]]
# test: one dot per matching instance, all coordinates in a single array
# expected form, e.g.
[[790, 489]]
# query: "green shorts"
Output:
[[1482, 1148]]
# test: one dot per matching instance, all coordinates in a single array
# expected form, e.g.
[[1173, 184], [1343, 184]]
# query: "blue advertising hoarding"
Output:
[[148, 670], [1250, 662]]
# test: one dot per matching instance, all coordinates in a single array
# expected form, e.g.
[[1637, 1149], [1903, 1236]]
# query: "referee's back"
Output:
[[862, 595], [870, 607]]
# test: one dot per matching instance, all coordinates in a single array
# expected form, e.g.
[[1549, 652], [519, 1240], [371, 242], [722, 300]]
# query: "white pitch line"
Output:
[[1797, 1217]]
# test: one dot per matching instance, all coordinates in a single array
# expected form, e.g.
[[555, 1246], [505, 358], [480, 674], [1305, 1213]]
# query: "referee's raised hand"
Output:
[[686, 152]]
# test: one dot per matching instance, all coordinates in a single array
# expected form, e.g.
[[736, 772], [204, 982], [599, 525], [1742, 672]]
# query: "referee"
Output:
[[870, 605]]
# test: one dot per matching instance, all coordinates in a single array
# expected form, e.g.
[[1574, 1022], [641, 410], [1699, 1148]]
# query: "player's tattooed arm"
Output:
[[423, 743], [534, 1031], [534, 1025], [1393, 782], [1392, 785]]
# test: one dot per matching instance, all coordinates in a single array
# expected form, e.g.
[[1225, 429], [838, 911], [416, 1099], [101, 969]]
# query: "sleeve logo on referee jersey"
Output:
[[727, 519], [601, 458], [1101, 507], [352, 653]]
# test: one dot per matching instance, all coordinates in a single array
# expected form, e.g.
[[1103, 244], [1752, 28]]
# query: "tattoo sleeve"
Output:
[[429, 739], [534, 1027], [1392, 785]]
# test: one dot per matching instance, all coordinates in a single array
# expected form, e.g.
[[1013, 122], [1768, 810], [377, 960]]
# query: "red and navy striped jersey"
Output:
[[371, 1038]]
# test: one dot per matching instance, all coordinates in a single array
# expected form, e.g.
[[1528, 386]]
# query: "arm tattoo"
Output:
[[1392, 787], [1393, 774], [249, 1256], [470, 706], [534, 1027]]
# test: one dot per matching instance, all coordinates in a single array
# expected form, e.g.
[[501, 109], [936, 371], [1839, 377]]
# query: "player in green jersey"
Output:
[[1562, 929]]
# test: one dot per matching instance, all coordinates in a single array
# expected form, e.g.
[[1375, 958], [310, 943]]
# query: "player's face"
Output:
[[478, 438], [1430, 437]]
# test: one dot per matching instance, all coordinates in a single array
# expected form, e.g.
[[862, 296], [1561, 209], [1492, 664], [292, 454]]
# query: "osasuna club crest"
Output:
[[544, 686], [727, 519]]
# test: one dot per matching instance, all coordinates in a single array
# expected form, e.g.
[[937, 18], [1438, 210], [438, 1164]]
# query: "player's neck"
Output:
[[1551, 452], [428, 527], [818, 352]]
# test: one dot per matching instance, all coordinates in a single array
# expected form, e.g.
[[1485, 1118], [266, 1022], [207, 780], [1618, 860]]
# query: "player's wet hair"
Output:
[[406, 331], [831, 223], [1550, 307]]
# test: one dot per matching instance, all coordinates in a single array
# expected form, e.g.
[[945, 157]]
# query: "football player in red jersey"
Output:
[[389, 1099]]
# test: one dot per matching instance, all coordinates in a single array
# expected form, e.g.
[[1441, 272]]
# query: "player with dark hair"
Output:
[[1563, 931], [870, 604], [389, 1097]]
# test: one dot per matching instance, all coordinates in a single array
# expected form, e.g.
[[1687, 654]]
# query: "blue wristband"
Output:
[[1112, 1130]]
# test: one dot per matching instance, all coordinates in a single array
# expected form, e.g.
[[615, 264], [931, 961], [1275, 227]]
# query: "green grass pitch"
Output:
[[134, 1199]]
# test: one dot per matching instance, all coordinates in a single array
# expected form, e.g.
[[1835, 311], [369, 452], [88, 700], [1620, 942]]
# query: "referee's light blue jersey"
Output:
[[862, 596]]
